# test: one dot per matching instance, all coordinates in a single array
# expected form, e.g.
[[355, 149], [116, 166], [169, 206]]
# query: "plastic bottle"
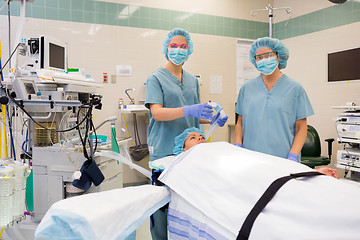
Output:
[[6, 195], [20, 175], [218, 108], [121, 102]]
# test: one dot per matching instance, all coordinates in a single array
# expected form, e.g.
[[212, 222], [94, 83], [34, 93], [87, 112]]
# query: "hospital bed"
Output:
[[211, 189]]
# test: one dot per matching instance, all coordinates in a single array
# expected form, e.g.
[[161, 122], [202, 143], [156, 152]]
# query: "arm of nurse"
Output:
[[300, 136], [239, 131], [167, 114]]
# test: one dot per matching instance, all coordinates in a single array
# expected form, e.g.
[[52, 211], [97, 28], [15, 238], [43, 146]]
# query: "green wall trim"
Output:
[[127, 15], [331, 17]]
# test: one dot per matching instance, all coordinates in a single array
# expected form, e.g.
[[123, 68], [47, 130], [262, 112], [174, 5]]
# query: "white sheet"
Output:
[[162, 163], [223, 182], [105, 215]]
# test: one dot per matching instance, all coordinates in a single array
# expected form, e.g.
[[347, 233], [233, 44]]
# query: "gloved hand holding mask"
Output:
[[203, 111], [220, 120]]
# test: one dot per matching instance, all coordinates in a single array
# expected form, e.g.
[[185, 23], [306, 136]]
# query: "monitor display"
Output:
[[56, 56], [53, 54], [29, 87], [344, 65]]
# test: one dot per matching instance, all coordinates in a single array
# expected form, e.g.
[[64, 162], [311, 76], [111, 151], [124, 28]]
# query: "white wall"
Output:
[[299, 7], [226, 8], [308, 64]]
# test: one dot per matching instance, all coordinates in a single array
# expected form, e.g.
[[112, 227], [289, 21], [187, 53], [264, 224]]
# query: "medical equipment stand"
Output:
[[348, 129], [271, 9]]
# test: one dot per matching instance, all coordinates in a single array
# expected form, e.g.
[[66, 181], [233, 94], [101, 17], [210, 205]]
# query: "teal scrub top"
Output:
[[164, 88], [269, 116]]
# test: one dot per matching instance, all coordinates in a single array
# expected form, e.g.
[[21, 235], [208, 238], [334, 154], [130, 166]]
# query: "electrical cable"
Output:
[[94, 131], [24, 110], [9, 58], [23, 125], [9, 35], [86, 130], [137, 130], [134, 127], [22, 147], [61, 123], [86, 139], [52, 124], [10, 130]]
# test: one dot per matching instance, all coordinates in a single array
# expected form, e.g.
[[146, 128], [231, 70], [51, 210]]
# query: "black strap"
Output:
[[265, 199]]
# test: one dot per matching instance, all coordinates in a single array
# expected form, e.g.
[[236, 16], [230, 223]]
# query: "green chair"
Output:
[[311, 151]]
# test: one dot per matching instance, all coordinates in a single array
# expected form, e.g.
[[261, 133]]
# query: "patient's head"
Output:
[[187, 139]]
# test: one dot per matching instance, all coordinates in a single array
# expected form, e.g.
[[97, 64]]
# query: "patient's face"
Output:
[[193, 139]]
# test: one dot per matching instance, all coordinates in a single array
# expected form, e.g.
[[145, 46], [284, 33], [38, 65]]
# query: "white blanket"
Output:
[[216, 185], [105, 215]]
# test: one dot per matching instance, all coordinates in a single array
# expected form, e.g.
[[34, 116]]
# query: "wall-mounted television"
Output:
[[344, 66]]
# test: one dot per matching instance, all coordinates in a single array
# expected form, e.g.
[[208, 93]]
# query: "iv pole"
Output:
[[271, 9]]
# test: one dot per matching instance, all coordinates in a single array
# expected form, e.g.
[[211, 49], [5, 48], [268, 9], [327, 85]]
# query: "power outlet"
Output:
[[113, 78]]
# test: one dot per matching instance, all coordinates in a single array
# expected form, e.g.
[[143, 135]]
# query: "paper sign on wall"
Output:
[[216, 84], [244, 68], [123, 70]]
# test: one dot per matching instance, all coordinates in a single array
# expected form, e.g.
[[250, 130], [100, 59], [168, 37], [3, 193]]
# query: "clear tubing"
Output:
[[19, 30], [121, 158]]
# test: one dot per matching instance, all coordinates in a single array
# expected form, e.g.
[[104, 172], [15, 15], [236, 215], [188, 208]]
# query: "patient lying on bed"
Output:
[[214, 186], [193, 136]]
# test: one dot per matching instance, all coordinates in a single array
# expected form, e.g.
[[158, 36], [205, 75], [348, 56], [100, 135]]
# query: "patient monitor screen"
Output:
[[56, 56], [29, 88]]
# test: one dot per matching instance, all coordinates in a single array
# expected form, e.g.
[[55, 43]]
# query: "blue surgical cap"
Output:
[[180, 139], [273, 43], [171, 35]]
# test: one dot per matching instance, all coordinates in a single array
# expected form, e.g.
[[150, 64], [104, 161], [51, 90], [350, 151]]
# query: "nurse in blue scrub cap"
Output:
[[173, 97], [273, 107]]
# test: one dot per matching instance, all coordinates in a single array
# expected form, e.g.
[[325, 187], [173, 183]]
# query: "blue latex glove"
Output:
[[203, 111], [220, 121], [238, 144], [293, 157]]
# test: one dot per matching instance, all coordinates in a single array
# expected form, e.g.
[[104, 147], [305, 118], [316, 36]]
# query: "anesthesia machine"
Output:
[[51, 108]]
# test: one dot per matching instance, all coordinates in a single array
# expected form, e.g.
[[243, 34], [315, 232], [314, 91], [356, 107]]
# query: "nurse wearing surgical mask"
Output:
[[173, 97], [273, 107]]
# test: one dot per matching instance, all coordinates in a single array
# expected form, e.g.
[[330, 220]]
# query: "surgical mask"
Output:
[[267, 66], [177, 55]]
